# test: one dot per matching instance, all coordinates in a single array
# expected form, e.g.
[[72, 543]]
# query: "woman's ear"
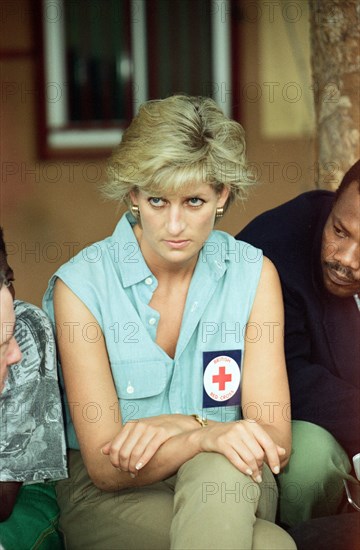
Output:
[[223, 196], [133, 196]]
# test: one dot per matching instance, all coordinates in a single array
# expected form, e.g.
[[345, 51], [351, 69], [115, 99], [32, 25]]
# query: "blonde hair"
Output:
[[175, 142]]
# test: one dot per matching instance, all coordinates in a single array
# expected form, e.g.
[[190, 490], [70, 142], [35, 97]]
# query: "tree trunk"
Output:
[[335, 43]]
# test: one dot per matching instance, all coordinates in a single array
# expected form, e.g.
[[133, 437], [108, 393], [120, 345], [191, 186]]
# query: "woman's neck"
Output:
[[166, 272]]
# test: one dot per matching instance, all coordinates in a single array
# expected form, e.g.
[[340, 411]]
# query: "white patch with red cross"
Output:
[[221, 378]]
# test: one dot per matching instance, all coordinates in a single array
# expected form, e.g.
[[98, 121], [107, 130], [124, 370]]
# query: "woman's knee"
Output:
[[213, 467], [214, 478]]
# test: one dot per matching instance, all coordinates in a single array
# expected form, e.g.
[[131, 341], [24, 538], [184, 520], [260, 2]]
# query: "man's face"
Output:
[[9, 350], [340, 255]]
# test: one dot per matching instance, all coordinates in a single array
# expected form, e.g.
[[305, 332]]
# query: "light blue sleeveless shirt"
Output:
[[114, 282]]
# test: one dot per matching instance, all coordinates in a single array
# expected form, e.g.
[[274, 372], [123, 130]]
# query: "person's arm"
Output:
[[88, 379], [8, 494], [317, 394], [168, 440], [263, 434], [265, 390]]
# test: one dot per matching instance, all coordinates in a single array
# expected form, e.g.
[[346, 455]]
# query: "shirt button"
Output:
[[130, 389], [148, 281], [152, 321]]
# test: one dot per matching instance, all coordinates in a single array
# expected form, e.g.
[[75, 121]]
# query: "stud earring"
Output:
[[135, 210], [219, 213]]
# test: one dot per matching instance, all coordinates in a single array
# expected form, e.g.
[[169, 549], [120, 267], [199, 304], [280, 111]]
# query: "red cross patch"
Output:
[[221, 379]]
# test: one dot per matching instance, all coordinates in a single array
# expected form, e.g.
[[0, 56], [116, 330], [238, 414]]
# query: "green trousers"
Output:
[[207, 504], [33, 522], [311, 485]]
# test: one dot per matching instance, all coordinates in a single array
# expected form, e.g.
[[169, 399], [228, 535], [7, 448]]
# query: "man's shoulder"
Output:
[[289, 221], [34, 334], [309, 203], [25, 310], [32, 324]]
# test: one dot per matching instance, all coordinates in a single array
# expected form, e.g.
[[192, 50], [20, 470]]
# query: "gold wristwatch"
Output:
[[202, 421]]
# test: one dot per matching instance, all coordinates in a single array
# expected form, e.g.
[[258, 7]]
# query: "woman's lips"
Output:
[[177, 244]]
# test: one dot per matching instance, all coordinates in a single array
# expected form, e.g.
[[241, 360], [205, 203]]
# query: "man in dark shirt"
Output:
[[314, 242]]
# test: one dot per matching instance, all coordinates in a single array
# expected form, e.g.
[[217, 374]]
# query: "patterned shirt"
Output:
[[32, 444]]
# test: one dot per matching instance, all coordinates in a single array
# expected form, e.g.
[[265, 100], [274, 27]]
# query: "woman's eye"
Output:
[[194, 201], [156, 201]]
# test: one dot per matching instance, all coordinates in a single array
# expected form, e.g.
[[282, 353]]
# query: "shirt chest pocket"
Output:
[[139, 379]]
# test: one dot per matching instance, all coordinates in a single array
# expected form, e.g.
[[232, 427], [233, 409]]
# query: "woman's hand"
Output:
[[245, 444], [139, 440]]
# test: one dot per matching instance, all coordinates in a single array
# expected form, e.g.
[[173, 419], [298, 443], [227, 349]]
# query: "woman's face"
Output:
[[175, 227]]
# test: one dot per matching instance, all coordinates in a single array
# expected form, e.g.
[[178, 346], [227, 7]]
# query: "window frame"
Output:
[[58, 138]]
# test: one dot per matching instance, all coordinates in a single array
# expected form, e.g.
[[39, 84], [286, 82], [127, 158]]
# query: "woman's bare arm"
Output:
[[265, 390], [93, 400], [264, 434], [172, 439]]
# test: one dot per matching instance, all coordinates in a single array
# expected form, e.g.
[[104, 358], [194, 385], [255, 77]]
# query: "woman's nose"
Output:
[[176, 220]]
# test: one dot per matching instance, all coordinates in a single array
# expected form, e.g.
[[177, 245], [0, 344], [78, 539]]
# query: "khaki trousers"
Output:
[[207, 504]]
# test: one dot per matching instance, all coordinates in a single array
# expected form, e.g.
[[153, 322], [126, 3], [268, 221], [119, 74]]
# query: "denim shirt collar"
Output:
[[132, 266]]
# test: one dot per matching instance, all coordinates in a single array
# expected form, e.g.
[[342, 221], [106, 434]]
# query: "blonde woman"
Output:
[[170, 339]]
